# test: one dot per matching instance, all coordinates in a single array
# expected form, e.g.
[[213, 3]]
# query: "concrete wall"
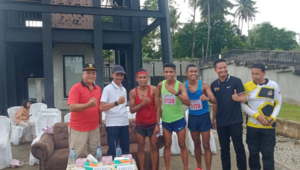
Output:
[[287, 81], [58, 51]]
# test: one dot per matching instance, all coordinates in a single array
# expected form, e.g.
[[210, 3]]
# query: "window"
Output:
[[72, 69]]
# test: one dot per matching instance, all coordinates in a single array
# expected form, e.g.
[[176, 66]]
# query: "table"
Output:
[[112, 167]]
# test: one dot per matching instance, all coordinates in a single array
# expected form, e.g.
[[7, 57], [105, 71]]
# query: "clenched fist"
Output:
[[203, 97], [171, 89], [121, 100], [93, 102]]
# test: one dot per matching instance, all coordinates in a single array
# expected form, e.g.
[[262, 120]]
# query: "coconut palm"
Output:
[[194, 4], [246, 11]]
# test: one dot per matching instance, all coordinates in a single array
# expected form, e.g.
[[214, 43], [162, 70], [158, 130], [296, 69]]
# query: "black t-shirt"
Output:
[[229, 112]]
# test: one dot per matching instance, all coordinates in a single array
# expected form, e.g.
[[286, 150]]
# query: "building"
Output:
[[46, 42]]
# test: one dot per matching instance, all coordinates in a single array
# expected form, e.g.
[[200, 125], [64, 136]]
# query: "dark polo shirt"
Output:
[[229, 112]]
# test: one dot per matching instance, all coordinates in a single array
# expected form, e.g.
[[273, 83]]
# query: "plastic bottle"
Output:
[[72, 158], [119, 151], [99, 154]]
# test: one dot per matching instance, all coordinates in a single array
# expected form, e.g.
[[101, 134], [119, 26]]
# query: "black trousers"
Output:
[[261, 140], [117, 134], [234, 131]]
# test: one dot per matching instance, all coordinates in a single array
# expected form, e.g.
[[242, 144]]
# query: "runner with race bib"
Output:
[[199, 120], [173, 94]]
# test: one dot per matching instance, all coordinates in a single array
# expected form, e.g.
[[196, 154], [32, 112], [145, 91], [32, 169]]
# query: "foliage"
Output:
[[267, 37]]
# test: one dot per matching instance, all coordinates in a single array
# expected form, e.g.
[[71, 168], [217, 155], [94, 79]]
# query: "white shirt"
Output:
[[116, 116]]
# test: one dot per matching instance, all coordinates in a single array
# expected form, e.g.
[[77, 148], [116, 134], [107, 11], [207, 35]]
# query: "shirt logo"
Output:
[[216, 88], [270, 93], [228, 87]]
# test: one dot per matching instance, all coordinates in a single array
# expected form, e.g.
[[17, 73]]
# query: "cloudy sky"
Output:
[[281, 13]]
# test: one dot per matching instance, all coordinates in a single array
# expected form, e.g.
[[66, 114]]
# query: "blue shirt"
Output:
[[197, 107]]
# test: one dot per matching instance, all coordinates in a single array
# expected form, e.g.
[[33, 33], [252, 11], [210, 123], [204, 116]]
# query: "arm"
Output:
[[214, 109], [159, 95], [73, 101], [278, 101], [209, 93], [79, 107], [134, 108], [157, 103], [183, 97], [239, 92]]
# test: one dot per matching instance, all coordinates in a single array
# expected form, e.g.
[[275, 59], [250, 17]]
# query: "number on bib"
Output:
[[169, 99], [196, 104]]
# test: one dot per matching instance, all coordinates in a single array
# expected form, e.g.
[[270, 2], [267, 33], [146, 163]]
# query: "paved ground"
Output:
[[21, 152]]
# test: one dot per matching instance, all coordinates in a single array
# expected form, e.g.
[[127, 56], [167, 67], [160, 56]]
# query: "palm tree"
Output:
[[195, 4], [211, 8], [174, 20], [246, 11]]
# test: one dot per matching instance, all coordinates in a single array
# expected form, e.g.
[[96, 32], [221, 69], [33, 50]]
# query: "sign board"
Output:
[[126, 167]]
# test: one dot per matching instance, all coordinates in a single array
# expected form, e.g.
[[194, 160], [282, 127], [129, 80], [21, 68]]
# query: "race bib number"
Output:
[[196, 104], [169, 99]]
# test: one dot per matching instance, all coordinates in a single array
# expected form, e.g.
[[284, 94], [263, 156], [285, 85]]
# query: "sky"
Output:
[[281, 13]]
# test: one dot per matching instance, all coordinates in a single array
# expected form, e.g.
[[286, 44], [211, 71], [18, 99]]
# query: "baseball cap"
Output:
[[118, 69], [89, 66]]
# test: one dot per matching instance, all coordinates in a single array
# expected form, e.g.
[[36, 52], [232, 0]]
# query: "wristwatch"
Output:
[[116, 103], [178, 93], [158, 123]]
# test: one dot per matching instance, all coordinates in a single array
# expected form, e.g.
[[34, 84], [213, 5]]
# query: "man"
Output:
[[262, 107], [173, 95], [227, 115], [113, 103], [199, 120], [84, 100], [145, 102]]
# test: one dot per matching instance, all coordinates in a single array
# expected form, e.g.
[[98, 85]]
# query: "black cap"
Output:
[[89, 66], [118, 69]]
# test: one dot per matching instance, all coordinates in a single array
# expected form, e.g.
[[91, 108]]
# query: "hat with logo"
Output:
[[118, 69], [89, 66]]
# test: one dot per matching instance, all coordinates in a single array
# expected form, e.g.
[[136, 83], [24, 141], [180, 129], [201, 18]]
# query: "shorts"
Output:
[[175, 126], [200, 123], [144, 132]]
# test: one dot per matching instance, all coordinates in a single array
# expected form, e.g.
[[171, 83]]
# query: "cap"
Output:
[[89, 66], [118, 69]]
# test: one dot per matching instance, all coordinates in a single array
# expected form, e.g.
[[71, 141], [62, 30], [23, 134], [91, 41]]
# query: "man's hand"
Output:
[[270, 121], [203, 97], [156, 129], [101, 128], [262, 120], [235, 96], [121, 100], [145, 100], [214, 124], [171, 89], [92, 102]]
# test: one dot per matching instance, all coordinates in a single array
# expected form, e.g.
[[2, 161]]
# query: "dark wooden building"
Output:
[[51, 39]]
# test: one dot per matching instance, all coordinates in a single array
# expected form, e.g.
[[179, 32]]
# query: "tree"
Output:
[[265, 36], [246, 11], [210, 9], [195, 4], [174, 19]]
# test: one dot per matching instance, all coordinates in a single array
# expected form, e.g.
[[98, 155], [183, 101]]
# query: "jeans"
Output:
[[234, 131], [116, 134]]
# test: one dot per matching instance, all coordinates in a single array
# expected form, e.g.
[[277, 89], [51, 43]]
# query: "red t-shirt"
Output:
[[86, 120], [146, 115]]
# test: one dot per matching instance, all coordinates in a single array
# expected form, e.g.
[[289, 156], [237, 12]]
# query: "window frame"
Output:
[[64, 70]]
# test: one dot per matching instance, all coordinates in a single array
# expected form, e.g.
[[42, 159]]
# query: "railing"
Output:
[[23, 19], [279, 59]]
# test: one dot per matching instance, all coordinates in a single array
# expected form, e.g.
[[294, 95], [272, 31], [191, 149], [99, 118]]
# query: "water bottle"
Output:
[[99, 154], [72, 158], [119, 151]]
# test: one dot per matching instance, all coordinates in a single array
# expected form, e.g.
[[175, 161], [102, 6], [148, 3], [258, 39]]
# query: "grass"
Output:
[[290, 112]]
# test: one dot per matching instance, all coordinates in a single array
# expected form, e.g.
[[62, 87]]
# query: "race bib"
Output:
[[196, 104], [169, 99]]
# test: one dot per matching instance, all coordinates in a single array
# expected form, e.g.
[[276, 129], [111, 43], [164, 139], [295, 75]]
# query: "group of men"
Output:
[[162, 105]]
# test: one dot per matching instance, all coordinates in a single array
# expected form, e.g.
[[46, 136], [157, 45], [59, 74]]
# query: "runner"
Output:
[[227, 114], [145, 102], [199, 120], [173, 94], [263, 106]]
